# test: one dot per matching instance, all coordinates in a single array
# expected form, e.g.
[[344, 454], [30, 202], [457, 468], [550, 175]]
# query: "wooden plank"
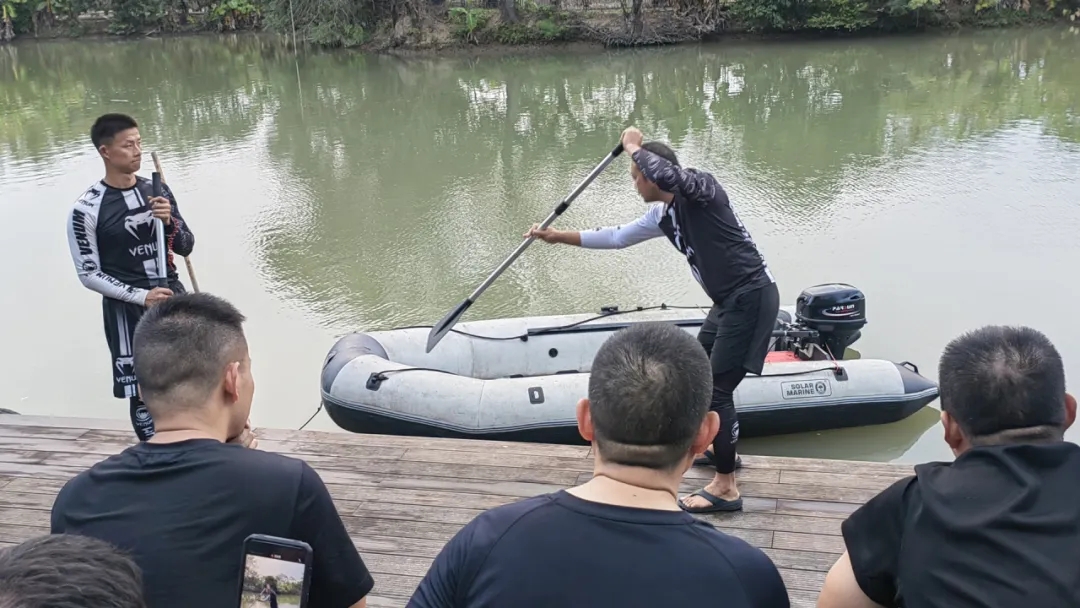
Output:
[[464, 445], [802, 560], [36, 518], [757, 538], [416, 513], [397, 564], [26, 500], [4, 481], [66, 422], [528, 461], [807, 492], [406, 499], [805, 580], [699, 476], [771, 521], [52, 432], [803, 599], [518, 489], [18, 534], [22, 456], [816, 508], [840, 480], [15, 469], [378, 601], [35, 485], [71, 446], [370, 544], [825, 466], [362, 527], [822, 543], [396, 586], [342, 471], [339, 450]]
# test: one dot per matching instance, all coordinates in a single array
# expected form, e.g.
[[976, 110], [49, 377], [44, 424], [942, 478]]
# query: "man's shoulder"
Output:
[[740, 554], [487, 528], [91, 199]]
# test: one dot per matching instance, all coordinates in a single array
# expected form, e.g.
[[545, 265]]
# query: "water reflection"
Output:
[[378, 191]]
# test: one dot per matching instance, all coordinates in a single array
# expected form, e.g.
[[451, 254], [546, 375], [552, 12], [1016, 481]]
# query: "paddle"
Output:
[[187, 262], [441, 328], [159, 228]]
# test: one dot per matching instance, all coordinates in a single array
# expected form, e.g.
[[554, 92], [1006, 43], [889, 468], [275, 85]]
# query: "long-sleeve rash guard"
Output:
[[700, 222], [111, 233]]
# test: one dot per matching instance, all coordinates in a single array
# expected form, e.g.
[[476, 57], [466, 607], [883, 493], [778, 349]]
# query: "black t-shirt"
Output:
[[184, 509], [999, 527], [703, 225], [560, 550]]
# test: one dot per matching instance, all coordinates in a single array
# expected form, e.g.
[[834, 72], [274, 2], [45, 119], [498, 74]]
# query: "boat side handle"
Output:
[[911, 366]]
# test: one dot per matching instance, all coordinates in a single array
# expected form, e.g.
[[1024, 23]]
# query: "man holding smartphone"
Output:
[[111, 233], [183, 503]]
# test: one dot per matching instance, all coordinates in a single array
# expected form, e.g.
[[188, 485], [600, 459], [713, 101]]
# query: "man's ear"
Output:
[[584, 420], [710, 426], [1070, 410], [231, 382], [953, 435]]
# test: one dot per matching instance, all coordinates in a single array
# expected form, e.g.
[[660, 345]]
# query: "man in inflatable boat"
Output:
[[692, 210]]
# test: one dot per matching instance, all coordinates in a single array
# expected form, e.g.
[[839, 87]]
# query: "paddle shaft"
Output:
[[187, 262], [441, 328], [159, 229], [547, 222]]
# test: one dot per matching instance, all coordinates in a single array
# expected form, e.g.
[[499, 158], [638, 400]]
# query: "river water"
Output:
[[333, 191]]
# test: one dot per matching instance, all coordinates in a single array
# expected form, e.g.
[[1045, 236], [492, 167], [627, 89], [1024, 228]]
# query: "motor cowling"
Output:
[[837, 311]]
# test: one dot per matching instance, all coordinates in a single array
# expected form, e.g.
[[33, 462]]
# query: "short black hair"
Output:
[[68, 571], [182, 345], [662, 150], [108, 125], [649, 389], [1000, 378]]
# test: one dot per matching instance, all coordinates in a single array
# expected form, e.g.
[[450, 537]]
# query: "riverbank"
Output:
[[409, 27]]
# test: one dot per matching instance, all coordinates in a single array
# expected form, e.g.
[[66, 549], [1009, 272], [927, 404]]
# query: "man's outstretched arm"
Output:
[[609, 237]]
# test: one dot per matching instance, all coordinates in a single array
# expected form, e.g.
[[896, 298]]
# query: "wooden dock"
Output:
[[402, 498]]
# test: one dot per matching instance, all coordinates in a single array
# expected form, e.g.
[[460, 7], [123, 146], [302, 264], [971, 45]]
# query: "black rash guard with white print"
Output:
[[111, 233], [700, 222]]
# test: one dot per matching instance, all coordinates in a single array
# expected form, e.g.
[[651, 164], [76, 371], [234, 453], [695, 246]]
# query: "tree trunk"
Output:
[[637, 24], [508, 11]]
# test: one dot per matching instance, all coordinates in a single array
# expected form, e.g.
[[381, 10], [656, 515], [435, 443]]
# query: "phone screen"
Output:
[[274, 576]]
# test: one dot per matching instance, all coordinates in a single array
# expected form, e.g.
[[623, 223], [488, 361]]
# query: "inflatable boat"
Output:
[[519, 379]]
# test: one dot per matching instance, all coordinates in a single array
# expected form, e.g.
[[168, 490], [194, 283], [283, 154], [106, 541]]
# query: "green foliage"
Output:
[[468, 21], [234, 14]]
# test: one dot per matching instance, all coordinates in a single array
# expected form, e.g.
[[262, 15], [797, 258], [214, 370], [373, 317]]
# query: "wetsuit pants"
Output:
[[120, 320], [736, 335]]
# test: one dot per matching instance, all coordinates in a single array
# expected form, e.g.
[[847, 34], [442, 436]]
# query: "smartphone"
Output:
[[276, 573]]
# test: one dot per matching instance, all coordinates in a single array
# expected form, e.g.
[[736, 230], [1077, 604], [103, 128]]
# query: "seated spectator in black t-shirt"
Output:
[[183, 502], [68, 571], [1000, 525], [620, 539]]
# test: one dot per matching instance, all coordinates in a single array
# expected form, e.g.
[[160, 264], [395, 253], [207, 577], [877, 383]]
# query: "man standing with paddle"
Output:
[[113, 235], [691, 209]]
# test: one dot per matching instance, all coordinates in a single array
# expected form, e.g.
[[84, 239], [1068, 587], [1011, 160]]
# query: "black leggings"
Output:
[[723, 403], [140, 419]]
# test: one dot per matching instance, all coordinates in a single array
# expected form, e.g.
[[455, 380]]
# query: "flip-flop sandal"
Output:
[[707, 461], [715, 503]]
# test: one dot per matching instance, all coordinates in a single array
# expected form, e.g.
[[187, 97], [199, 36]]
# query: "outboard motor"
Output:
[[836, 311]]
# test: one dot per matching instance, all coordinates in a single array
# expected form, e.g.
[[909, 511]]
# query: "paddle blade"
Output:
[[446, 324]]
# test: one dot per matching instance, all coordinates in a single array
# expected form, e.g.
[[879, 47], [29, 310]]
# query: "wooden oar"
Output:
[[187, 261], [441, 328]]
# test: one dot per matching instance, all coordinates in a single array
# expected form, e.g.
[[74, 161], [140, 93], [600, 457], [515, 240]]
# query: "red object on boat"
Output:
[[781, 356]]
